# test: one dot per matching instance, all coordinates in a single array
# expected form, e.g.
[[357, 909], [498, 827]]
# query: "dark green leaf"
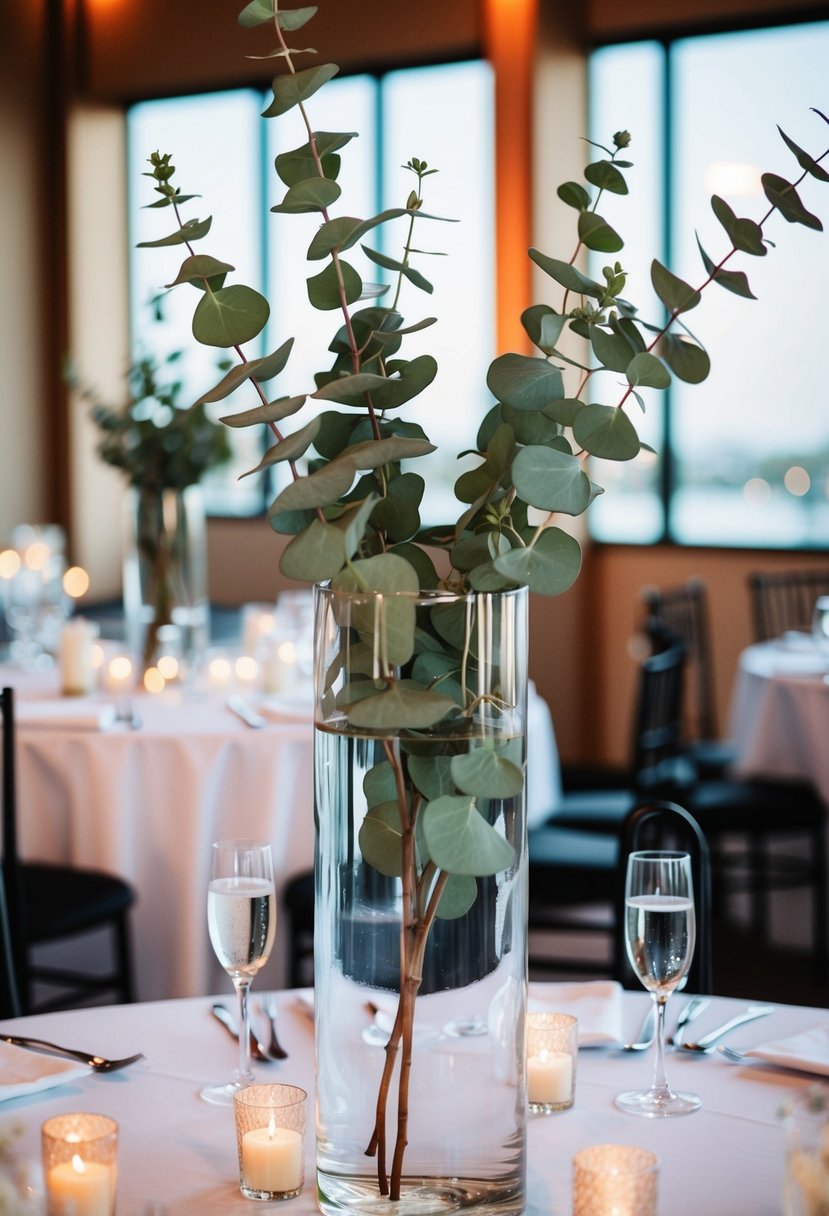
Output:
[[685, 359], [611, 349], [574, 195], [732, 280], [274, 411], [543, 326], [647, 371], [312, 194], [299, 165], [745, 235], [567, 275], [409, 272], [379, 784], [403, 705], [607, 432], [597, 234], [324, 288], [676, 295], [315, 554], [381, 839], [290, 448], [524, 382], [230, 316], [551, 480], [782, 195], [549, 568], [292, 88], [605, 175], [485, 773], [271, 365], [332, 235], [199, 267], [259, 12], [804, 159], [457, 897], [193, 230]]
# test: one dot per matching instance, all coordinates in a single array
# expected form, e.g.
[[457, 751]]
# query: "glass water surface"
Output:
[[241, 921], [660, 932]]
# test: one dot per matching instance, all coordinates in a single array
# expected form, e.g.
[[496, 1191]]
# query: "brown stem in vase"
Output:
[[160, 550]]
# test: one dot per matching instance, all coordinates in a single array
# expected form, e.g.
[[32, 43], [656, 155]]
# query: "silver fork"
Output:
[[269, 1008], [732, 1054], [98, 1063]]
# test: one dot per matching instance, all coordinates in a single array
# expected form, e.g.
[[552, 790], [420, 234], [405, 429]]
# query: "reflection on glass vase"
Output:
[[420, 919], [165, 570]]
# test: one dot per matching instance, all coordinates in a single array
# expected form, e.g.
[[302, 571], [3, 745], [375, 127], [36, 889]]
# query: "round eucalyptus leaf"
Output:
[[551, 480], [199, 267], [318, 489], [299, 165], [486, 774], [677, 295], [606, 176], [432, 775], [574, 195], [543, 326], [487, 578], [312, 194], [647, 371], [292, 88], [607, 432], [404, 705], [611, 349], [782, 195], [324, 288], [597, 234], [457, 897], [524, 382], [331, 235], [314, 554], [460, 840], [549, 567], [685, 359], [745, 235], [230, 316], [381, 839], [566, 275], [379, 784]]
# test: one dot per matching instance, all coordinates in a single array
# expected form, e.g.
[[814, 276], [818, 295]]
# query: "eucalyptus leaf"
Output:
[[292, 88], [543, 325], [548, 568], [300, 165], [606, 431], [432, 775], [273, 411], [676, 295], [605, 175], [484, 772], [567, 275], [782, 195], [379, 784], [230, 316], [312, 194], [192, 230], [460, 840], [402, 706], [574, 195], [597, 234], [408, 272], [324, 290], [745, 235], [804, 159], [647, 371], [524, 382], [457, 897], [685, 359], [381, 839], [314, 554], [200, 267], [551, 480], [290, 448], [735, 281]]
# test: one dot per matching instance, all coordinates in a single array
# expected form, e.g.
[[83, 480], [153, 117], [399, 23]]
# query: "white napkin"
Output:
[[295, 706], [27, 1072], [596, 1003], [807, 1051], [64, 715]]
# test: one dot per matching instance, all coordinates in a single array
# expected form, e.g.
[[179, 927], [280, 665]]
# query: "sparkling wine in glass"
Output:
[[241, 920], [660, 928]]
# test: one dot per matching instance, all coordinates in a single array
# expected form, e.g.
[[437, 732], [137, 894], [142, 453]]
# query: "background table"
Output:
[[780, 713], [175, 1150], [146, 804]]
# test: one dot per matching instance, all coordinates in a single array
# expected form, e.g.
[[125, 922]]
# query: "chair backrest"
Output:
[[666, 825], [683, 612], [782, 600], [10, 943], [657, 727]]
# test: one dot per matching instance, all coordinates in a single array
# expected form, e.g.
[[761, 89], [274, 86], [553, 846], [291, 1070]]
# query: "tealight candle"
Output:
[[79, 1164], [119, 675], [270, 1138], [552, 1052], [614, 1180], [272, 1159], [219, 673]]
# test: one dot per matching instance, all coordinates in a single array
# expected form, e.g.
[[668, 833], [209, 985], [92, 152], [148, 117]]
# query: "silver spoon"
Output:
[[98, 1063]]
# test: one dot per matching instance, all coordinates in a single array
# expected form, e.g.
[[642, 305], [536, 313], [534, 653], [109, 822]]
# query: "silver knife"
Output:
[[708, 1040], [240, 707]]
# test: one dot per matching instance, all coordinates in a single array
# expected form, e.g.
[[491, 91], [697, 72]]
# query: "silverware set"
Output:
[[707, 1042], [267, 1053]]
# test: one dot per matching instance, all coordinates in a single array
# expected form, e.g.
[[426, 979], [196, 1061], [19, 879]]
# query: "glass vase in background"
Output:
[[806, 1185], [165, 571], [452, 1132]]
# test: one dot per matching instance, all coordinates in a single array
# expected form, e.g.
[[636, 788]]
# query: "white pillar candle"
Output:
[[257, 624], [272, 1159], [549, 1077], [80, 1188], [77, 671], [280, 669]]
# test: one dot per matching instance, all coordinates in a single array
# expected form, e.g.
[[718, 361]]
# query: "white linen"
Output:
[[596, 1003], [177, 1151], [779, 720], [25, 1072], [807, 1051], [63, 714]]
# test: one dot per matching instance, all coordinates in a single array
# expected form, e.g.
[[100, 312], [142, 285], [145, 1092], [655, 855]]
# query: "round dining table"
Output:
[[146, 803], [177, 1154], [779, 717]]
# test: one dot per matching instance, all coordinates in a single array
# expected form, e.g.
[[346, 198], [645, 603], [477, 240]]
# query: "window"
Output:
[[225, 152], [744, 457]]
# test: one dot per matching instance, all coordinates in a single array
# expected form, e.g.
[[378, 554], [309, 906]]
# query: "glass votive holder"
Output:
[[270, 1137], [614, 1180], [80, 1164], [552, 1052]]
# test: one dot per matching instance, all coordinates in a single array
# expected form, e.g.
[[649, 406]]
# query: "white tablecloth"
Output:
[[780, 712], [146, 804], [725, 1159]]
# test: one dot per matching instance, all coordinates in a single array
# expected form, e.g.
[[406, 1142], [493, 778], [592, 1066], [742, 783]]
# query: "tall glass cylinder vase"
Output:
[[420, 920], [165, 570]]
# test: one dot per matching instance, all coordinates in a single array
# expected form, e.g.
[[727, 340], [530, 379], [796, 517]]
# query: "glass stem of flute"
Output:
[[242, 986], [660, 1077]]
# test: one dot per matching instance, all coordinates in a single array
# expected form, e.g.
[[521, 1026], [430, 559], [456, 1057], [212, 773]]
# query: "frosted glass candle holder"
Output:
[[270, 1137], [80, 1160], [614, 1180], [552, 1053]]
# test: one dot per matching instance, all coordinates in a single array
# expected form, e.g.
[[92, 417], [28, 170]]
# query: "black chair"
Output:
[[664, 825], [683, 612], [572, 854], [52, 903], [298, 903], [9, 997], [782, 600]]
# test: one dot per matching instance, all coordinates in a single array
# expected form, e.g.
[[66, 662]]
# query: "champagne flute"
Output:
[[241, 920], [660, 928]]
